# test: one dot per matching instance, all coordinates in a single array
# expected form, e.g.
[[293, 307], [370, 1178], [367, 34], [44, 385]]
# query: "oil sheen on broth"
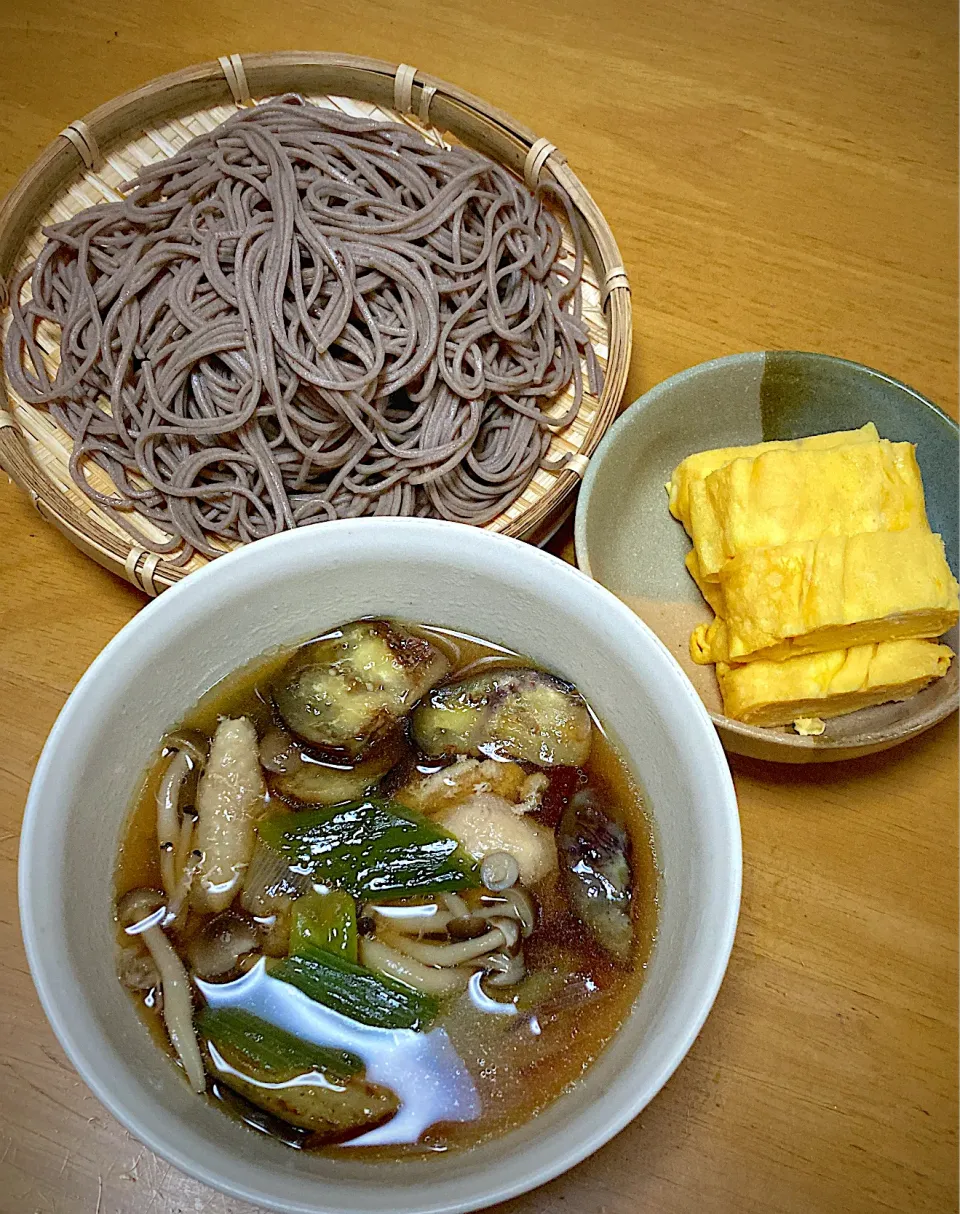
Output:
[[409, 886]]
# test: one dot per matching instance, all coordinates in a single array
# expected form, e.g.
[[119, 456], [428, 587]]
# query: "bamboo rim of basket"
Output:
[[231, 82]]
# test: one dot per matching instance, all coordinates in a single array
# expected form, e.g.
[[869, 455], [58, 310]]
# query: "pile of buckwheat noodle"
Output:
[[302, 316]]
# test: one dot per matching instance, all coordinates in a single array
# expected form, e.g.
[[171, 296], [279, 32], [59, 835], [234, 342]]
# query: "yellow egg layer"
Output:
[[830, 684], [697, 467], [831, 593], [710, 590], [794, 494]]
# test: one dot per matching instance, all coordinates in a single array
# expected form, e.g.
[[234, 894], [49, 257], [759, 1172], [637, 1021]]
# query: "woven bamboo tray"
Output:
[[87, 162]]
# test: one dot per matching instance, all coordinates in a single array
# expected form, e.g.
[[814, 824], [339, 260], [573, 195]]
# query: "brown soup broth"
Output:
[[573, 998]]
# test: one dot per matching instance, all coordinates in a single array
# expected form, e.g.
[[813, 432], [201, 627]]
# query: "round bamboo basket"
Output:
[[86, 163]]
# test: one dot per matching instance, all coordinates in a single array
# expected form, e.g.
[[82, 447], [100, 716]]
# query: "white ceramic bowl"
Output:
[[282, 590]]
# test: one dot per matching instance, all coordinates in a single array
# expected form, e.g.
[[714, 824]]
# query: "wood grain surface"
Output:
[[777, 175]]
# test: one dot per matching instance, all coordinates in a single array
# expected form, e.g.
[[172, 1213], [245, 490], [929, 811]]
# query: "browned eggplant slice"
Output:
[[295, 774], [516, 714], [347, 689], [330, 1106], [596, 871]]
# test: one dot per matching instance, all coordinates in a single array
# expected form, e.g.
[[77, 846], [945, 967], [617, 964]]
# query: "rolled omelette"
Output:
[[697, 467], [830, 684], [795, 493], [832, 593]]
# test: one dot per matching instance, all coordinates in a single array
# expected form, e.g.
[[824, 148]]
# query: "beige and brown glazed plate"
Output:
[[627, 539]]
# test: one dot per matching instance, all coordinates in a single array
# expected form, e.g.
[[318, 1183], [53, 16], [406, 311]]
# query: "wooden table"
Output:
[[777, 175]]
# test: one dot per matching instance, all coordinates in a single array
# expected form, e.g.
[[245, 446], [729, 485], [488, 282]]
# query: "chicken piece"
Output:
[[230, 798], [462, 779], [485, 823]]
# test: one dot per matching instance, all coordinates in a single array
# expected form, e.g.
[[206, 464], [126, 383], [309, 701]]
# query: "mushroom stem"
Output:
[[412, 924], [168, 818], [376, 955], [504, 970], [521, 906], [191, 741], [514, 903], [178, 904], [450, 954], [456, 905], [134, 909], [177, 1005], [184, 846], [510, 929]]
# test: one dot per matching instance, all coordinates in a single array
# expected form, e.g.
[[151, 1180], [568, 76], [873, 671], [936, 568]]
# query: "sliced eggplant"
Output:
[[335, 1113], [304, 1091], [515, 714], [297, 775], [596, 872], [342, 692], [434, 791]]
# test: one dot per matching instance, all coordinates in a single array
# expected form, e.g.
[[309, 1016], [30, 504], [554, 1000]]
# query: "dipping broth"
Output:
[[390, 891]]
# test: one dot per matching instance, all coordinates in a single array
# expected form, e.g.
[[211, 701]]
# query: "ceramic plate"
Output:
[[627, 539]]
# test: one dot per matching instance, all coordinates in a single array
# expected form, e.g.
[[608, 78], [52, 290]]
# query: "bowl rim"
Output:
[[764, 734], [85, 1056]]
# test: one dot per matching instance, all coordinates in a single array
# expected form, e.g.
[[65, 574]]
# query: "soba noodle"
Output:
[[301, 316]]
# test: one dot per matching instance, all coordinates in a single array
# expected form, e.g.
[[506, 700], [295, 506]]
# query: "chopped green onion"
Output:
[[354, 991], [371, 847], [270, 1051], [326, 921]]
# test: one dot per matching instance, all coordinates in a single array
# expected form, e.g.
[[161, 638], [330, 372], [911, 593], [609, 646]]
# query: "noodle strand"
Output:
[[305, 316]]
